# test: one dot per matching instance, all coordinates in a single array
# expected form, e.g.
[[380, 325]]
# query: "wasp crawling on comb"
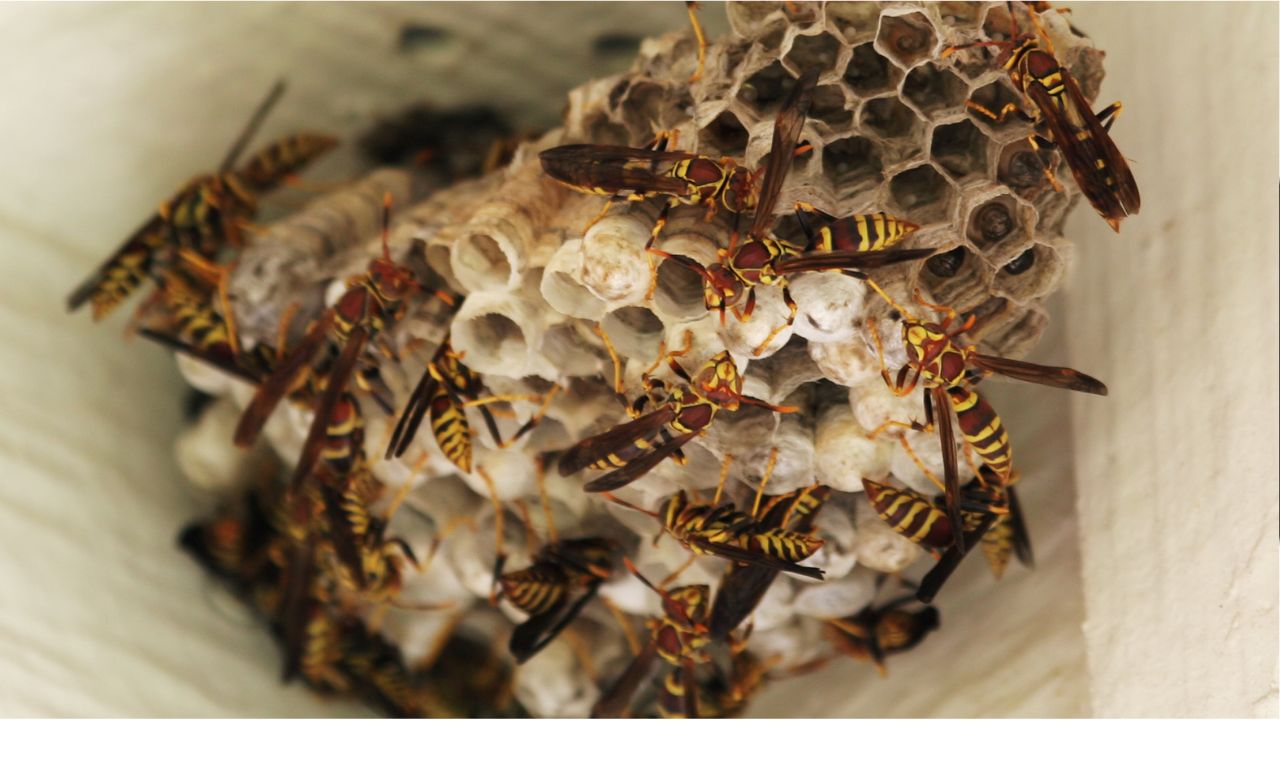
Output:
[[1059, 108]]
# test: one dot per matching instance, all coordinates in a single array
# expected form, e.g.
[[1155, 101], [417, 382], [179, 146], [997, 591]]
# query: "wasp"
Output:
[[849, 245], [445, 388], [744, 585], [992, 517], [563, 578], [631, 174], [876, 632], [742, 537], [207, 213], [1059, 109], [679, 637], [372, 301], [682, 414], [947, 371]]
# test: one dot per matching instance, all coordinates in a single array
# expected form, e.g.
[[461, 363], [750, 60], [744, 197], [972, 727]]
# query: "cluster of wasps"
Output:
[[317, 544]]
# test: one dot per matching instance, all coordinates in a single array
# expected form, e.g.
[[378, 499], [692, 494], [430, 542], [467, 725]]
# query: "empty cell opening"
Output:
[[993, 221], [960, 14], [854, 20], [868, 72], [482, 256], [908, 39], [852, 162], [997, 25], [642, 107], [889, 118], [601, 130], [922, 192], [788, 228], [933, 90], [960, 148], [828, 107], [766, 88], [814, 52], [679, 290], [725, 136], [635, 332], [492, 338]]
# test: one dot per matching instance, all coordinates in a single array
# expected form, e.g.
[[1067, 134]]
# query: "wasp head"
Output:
[[720, 382], [721, 289], [391, 281], [688, 606], [739, 192]]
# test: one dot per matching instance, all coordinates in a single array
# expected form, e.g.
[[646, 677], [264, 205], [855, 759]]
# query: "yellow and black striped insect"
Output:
[[744, 585], [446, 388], [372, 301], [743, 537], [683, 412], [992, 517], [563, 578], [1061, 111], [678, 637], [848, 245], [947, 371], [209, 212]]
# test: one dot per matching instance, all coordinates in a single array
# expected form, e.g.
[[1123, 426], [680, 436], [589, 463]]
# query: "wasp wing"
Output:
[[228, 364], [614, 701], [414, 410], [278, 384], [1122, 182], [849, 260], [1053, 376], [638, 466], [590, 450], [339, 375], [743, 555], [786, 132], [613, 169], [1021, 537], [942, 415]]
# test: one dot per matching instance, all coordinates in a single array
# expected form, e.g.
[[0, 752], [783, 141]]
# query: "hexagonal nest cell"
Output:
[[723, 136], [765, 90], [889, 131], [994, 97], [852, 163], [922, 192], [934, 91], [907, 40], [960, 149], [828, 107], [869, 73], [814, 52]]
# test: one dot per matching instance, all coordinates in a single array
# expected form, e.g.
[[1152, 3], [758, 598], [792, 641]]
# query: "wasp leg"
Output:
[[792, 310]]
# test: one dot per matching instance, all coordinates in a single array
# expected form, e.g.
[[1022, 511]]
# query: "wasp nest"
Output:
[[889, 131]]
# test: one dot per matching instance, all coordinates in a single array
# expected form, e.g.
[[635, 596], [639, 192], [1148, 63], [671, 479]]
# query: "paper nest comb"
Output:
[[889, 131]]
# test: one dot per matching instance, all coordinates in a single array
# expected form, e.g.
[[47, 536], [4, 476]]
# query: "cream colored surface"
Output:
[[101, 615], [1178, 467]]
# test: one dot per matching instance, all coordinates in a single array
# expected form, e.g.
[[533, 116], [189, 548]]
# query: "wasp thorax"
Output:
[[390, 280]]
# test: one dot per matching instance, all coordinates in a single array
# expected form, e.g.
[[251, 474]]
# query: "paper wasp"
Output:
[[876, 632], [744, 585], [564, 577], [682, 413], [626, 173], [992, 517], [1083, 137], [447, 386], [847, 245], [372, 301], [947, 372], [725, 531], [678, 637], [207, 213]]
